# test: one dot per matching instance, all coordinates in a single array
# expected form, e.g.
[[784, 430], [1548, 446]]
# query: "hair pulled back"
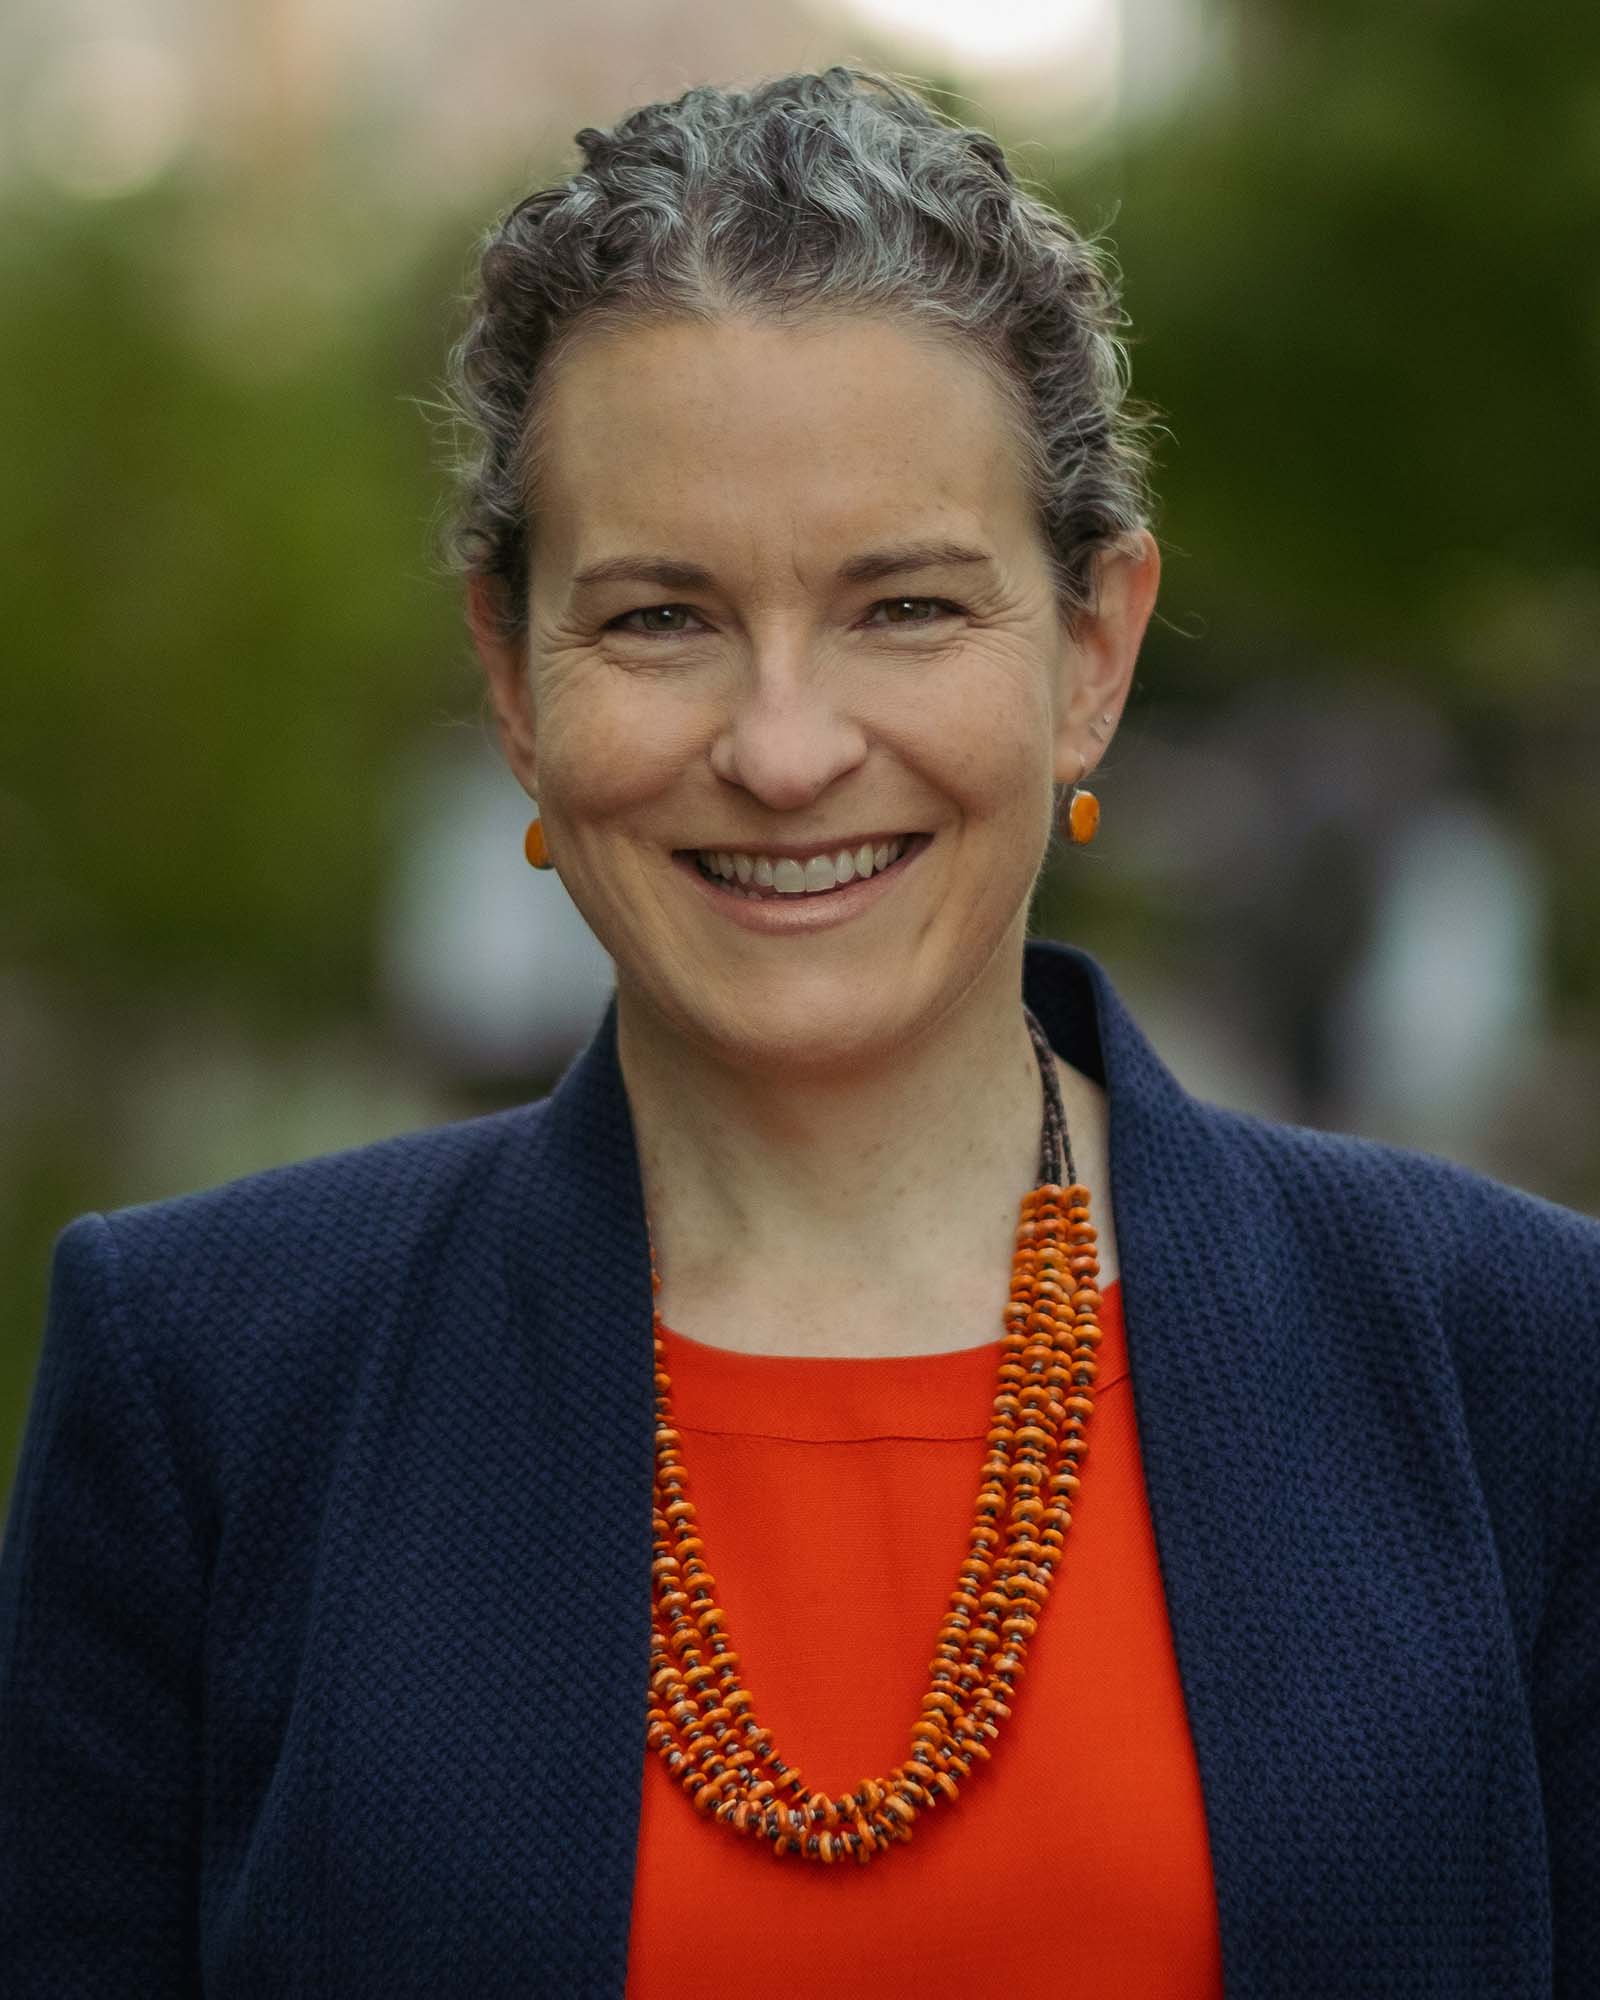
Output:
[[807, 194]]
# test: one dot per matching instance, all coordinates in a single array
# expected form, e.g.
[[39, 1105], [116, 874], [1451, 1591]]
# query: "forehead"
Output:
[[773, 442]]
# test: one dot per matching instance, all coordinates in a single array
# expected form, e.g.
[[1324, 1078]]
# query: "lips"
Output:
[[767, 911], [766, 874]]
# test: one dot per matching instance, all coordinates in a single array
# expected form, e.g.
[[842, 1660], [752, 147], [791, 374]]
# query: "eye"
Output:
[[920, 608], [652, 611], [938, 606]]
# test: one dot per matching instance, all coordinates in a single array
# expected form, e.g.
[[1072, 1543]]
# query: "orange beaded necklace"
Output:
[[699, 1716]]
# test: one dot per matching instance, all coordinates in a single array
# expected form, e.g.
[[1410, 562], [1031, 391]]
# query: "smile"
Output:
[[801, 892], [758, 876]]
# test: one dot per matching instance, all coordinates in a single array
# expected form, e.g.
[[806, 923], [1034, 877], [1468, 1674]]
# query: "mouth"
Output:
[[762, 876]]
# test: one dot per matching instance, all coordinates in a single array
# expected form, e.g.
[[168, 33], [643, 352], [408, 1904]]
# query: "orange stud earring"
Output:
[[534, 845], [1078, 816]]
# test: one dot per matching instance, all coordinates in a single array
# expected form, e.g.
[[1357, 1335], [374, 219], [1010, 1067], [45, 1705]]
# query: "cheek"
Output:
[[986, 738], [608, 742]]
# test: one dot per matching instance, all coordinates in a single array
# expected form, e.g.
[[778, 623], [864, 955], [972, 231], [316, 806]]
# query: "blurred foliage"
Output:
[[225, 627], [220, 608], [1364, 285], [1362, 276]]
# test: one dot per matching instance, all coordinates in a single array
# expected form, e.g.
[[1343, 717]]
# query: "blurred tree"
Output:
[[1364, 280], [219, 608], [1365, 293], [223, 626]]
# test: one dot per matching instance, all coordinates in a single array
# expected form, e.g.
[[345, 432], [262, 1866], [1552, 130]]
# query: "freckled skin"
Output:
[[782, 705]]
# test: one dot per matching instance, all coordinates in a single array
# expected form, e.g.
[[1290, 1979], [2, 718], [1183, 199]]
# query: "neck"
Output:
[[840, 1188]]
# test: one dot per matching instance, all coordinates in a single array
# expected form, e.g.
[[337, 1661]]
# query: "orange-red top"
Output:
[[835, 1498]]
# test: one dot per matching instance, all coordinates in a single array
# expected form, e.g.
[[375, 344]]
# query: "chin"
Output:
[[828, 1021], [815, 1026]]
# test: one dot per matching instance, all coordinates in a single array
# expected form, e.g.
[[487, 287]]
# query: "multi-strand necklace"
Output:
[[700, 1716]]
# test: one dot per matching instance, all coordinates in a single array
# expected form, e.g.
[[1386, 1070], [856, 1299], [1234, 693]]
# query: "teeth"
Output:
[[750, 873]]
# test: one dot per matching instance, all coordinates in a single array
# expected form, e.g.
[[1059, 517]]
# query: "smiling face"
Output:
[[789, 602]]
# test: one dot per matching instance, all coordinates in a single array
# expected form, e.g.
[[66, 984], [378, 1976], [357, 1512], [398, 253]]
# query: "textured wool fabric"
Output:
[[835, 1497], [324, 1600]]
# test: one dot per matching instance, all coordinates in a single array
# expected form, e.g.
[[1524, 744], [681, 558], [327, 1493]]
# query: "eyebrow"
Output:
[[864, 568]]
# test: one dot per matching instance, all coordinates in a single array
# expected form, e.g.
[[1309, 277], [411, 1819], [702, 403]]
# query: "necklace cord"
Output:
[[1055, 1146]]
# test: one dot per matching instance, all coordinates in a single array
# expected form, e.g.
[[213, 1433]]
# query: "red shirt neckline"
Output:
[[809, 1397]]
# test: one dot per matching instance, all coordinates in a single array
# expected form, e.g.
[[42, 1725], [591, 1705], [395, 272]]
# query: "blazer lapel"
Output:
[[1333, 1592], [471, 1736], [580, 1277]]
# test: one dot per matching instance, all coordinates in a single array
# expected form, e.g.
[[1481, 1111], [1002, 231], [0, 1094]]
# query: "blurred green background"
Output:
[[260, 882]]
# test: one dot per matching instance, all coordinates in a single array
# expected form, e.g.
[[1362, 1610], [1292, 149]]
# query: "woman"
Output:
[[360, 1632]]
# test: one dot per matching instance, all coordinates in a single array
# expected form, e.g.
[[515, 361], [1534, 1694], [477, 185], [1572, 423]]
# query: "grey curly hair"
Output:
[[807, 194]]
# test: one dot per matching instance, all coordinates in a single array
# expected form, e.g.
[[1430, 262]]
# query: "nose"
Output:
[[787, 735]]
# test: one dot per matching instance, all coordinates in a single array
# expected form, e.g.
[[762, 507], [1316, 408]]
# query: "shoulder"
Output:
[[1432, 1266], [1411, 1212], [329, 1215], [256, 1299]]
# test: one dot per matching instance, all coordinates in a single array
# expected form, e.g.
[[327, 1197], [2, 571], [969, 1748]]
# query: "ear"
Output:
[[1098, 659], [505, 666]]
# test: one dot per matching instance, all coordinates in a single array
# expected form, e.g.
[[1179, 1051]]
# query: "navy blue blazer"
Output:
[[324, 1601]]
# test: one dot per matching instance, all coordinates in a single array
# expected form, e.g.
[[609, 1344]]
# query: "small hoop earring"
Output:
[[535, 846]]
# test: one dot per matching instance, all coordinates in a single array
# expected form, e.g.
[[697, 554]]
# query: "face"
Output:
[[789, 605]]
